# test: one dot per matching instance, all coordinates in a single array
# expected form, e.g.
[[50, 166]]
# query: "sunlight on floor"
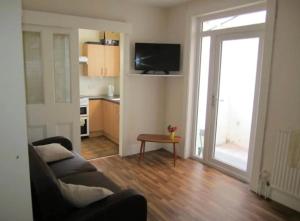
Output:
[[233, 155]]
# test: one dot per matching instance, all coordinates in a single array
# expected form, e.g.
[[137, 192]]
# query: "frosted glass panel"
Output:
[[235, 21], [62, 73], [33, 67]]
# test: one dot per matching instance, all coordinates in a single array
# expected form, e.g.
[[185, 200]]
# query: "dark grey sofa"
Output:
[[48, 203]]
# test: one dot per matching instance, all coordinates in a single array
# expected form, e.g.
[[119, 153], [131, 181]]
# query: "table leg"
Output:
[[141, 150], [144, 144], [174, 154]]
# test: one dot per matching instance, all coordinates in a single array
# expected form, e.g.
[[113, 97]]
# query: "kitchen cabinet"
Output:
[[112, 61], [111, 121], [108, 118], [103, 60], [95, 64], [96, 116], [104, 119], [116, 123]]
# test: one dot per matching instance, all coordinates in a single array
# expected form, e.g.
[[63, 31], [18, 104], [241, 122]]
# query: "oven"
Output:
[[84, 128], [84, 117], [83, 110]]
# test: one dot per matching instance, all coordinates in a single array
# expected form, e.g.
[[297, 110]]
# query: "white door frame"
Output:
[[75, 23], [191, 83]]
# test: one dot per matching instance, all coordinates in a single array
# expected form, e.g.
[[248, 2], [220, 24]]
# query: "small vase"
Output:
[[172, 135]]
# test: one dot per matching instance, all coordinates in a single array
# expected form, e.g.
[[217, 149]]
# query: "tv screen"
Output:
[[157, 57]]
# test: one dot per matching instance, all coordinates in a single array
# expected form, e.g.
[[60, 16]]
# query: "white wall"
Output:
[[143, 97], [284, 99], [93, 86], [15, 195]]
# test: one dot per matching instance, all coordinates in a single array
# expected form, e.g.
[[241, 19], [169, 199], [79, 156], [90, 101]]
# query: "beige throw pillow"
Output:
[[53, 152], [81, 196]]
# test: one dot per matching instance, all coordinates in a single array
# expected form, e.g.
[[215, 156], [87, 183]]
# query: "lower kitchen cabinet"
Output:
[[104, 116], [96, 116]]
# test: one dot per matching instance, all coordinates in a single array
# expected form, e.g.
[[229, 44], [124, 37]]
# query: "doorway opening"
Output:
[[99, 87], [228, 72]]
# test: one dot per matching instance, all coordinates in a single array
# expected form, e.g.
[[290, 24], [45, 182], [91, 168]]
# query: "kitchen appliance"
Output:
[[84, 117], [110, 90]]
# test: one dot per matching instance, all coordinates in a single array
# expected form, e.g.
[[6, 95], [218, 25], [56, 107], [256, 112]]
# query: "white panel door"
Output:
[[52, 82]]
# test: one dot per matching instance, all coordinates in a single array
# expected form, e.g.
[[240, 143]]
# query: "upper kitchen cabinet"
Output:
[[96, 58], [103, 60], [112, 60]]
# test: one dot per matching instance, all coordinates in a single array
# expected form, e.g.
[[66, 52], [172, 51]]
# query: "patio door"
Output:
[[52, 82], [236, 67], [227, 100]]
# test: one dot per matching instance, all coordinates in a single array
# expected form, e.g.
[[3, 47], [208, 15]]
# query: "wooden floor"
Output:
[[95, 147], [191, 191]]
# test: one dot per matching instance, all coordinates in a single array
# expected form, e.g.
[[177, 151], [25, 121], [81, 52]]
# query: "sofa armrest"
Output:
[[125, 205], [59, 139]]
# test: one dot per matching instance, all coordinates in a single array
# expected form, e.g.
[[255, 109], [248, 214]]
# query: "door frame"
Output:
[[193, 77], [75, 23]]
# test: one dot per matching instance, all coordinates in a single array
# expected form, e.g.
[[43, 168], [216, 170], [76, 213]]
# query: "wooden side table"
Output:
[[157, 138]]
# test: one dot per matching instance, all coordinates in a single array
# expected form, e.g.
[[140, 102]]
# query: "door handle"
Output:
[[214, 100]]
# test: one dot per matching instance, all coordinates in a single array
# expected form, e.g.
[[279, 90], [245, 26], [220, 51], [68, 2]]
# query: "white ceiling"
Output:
[[160, 3]]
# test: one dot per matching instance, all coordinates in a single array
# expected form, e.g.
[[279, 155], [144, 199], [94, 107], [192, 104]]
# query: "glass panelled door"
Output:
[[52, 82], [226, 98], [236, 68], [228, 60]]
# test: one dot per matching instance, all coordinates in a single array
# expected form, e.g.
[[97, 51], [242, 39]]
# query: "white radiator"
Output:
[[284, 178]]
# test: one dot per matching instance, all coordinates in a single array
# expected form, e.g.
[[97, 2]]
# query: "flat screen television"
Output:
[[157, 57]]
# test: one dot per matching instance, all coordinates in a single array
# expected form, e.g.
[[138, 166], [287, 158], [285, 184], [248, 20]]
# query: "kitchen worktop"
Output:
[[114, 99]]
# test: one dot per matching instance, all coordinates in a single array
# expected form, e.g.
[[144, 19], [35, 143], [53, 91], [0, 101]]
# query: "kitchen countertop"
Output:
[[114, 99]]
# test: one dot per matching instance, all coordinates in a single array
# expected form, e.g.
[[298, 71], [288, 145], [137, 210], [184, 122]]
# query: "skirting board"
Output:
[[285, 199]]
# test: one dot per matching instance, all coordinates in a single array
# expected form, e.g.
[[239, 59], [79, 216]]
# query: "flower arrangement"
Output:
[[172, 130]]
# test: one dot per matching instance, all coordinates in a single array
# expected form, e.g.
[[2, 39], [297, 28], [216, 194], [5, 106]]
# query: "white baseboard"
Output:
[[285, 199]]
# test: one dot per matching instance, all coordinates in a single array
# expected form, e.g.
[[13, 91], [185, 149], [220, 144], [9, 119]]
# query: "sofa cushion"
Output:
[[71, 166], [58, 139], [53, 152], [48, 202], [92, 179], [80, 195]]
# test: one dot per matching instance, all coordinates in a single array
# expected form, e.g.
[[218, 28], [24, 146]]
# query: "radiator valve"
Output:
[[264, 186]]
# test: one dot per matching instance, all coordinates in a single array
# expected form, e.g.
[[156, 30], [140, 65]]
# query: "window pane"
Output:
[[33, 67], [202, 99], [62, 73], [234, 117], [235, 21]]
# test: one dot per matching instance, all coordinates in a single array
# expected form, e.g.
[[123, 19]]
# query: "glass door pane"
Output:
[[33, 67], [62, 72], [202, 98], [237, 75]]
